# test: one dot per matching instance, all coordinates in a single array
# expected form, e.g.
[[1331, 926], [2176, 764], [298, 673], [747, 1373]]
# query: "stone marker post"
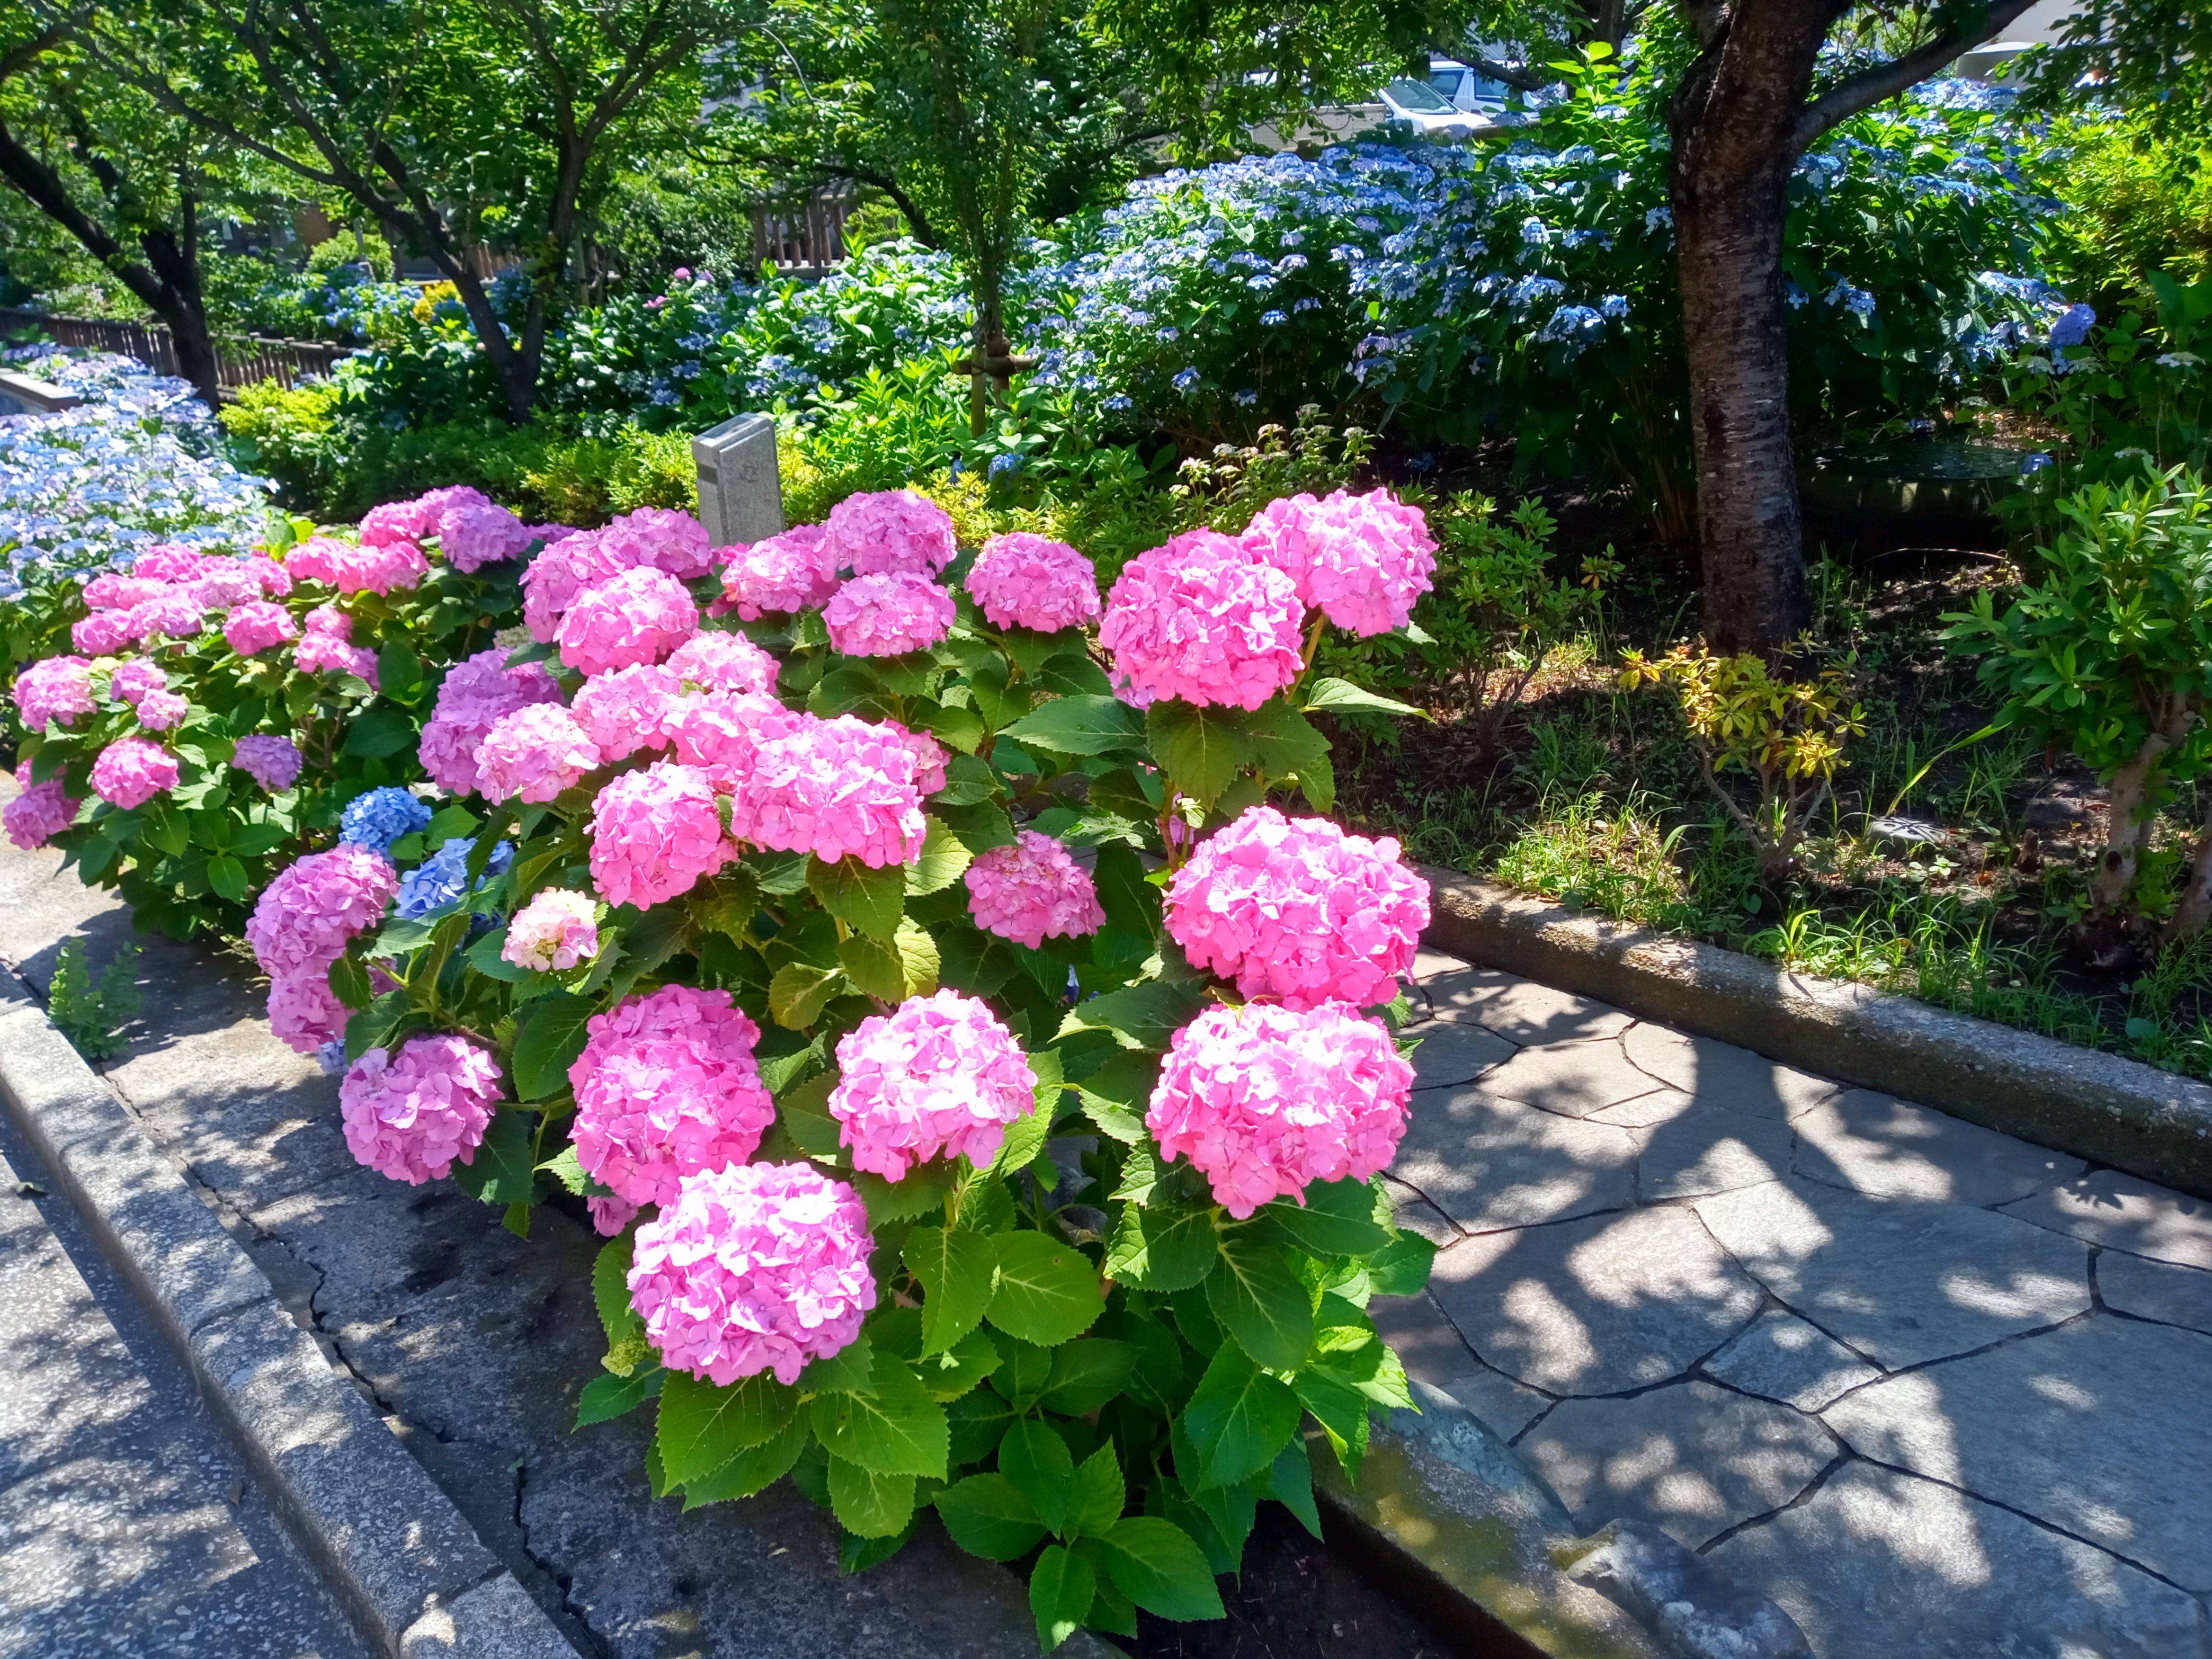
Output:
[[741, 491]]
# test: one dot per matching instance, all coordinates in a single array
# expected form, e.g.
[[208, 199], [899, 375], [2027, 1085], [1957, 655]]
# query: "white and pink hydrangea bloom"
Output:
[[720, 732], [938, 1077], [161, 711], [638, 615], [717, 661], [1031, 891], [56, 689], [554, 931], [1024, 581], [1200, 620], [256, 626], [414, 1114], [629, 709]]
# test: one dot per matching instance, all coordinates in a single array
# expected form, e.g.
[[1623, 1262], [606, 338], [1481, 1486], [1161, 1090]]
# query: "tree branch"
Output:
[[1870, 87], [1525, 80], [21, 56]]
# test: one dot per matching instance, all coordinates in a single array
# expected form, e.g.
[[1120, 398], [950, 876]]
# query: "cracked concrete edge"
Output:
[[410, 1571], [2095, 1105]]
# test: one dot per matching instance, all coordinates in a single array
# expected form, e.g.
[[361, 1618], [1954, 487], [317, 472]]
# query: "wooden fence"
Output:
[[238, 361], [808, 241]]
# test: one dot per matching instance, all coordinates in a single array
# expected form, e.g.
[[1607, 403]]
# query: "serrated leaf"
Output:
[[350, 983], [1340, 1408], [503, 1169], [1086, 1373], [894, 1429], [958, 1272], [944, 859], [1290, 745], [1289, 1483], [1238, 1418], [920, 1190], [1163, 1249], [610, 1291], [484, 958], [1061, 1590], [1036, 1459], [1141, 1016], [1096, 1497], [1338, 1218], [549, 1036], [754, 1469], [868, 1502], [1401, 1267], [1047, 1291], [988, 1517], [1343, 695], [564, 1167], [1155, 1565], [798, 992], [950, 1374], [871, 900], [703, 1427], [1200, 748], [851, 1370], [607, 1396], [803, 1111], [1260, 1301], [1080, 725], [1023, 1140]]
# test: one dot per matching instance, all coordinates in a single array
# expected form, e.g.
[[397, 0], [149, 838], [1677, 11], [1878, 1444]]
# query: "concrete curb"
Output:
[[410, 1571], [2120, 1112]]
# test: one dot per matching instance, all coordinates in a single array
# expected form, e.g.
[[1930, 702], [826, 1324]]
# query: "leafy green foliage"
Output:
[[93, 1011]]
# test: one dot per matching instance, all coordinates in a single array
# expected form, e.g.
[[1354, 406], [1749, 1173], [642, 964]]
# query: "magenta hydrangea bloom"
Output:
[[611, 1215], [1361, 561], [39, 813], [326, 645], [794, 570], [116, 591], [255, 626], [759, 1268], [667, 1086], [473, 534], [475, 693], [630, 709], [224, 584], [328, 619], [554, 931], [1032, 891], [305, 916], [304, 1012], [938, 1076], [655, 833], [637, 617], [414, 1114], [103, 633], [373, 567], [158, 711], [1264, 1100], [717, 661], [276, 581], [174, 614], [1201, 620], [835, 788], [1296, 910], [533, 754], [1022, 581], [132, 771], [271, 761], [721, 732], [132, 680], [552, 581], [658, 538], [169, 562], [888, 614], [929, 757], [412, 520], [887, 530]]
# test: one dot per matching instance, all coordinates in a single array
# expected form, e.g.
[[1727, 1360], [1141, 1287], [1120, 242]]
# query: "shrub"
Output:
[[2139, 202], [93, 1013]]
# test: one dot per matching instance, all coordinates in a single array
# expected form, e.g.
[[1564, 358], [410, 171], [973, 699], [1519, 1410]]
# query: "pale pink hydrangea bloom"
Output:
[[794, 570], [306, 914], [327, 618], [56, 689], [321, 559], [552, 581], [611, 1215], [304, 1012], [1264, 1100], [1361, 561], [1201, 620], [888, 614], [938, 1076], [887, 530], [533, 754], [276, 581], [554, 931], [326, 651], [158, 711], [833, 788], [475, 693], [116, 591], [667, 1086], [721, 732], [271, 761], [1296, 910], [1022, 581], [391, 569], [39, 813], [655, 833], [660, 539], [169, 562], [414, 1115], [176, 614], [412, 520], [715, 661], [1032, 890], [224, 585], [637, 617], [103, 633], [759, 1268], [473, 534], [255, 626], [630, 709], [132, 680], [130, 771]]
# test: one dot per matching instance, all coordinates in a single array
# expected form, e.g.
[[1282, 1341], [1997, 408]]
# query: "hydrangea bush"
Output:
[[981, 1078]]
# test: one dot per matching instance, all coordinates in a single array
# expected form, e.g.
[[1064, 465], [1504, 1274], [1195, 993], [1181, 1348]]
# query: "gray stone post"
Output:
[[741, 491]]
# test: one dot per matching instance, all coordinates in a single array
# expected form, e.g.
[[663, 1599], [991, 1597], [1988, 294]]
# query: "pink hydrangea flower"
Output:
[[888, 614], [473, 534], [1031, 891], [227, 583], [271, 761], [414, 1115], [1361, 561], [794, 570], [667, 1086], [39, 813], [533, 754], [328, 619], [1296, 910], [552, 581], [305, 916], [474, 693], [929, 757], [721, 732], [1264, 1100], [412, 520], [637, 617], [834, 788], [382, 567], [158, 711], [1022, 581], [1201, 620], [132, 680], [130, 771], [887, 530], [938, 1076], [717, 661], [655, 833], [611, 1215], [168, 562], [175, 614], [54, 688], [630, 709], [327, 652], [304, 1012], [103, 633], [759, 1268], [658, 538], [116, 591], [276, 581], [554, 931], [253, 627]]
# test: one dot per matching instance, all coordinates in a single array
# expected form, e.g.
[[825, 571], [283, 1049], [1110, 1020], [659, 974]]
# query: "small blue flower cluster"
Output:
[[380, 817], [440, 880]]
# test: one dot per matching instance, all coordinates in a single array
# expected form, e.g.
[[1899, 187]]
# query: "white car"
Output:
[[1467, 89], [1454, 102]]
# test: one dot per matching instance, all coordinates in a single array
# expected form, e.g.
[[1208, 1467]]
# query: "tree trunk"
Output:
[[174, 257], [1733, 121]]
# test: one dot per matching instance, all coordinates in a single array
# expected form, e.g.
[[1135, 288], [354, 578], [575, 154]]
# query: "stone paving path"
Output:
[[1935, 1390], [129, 1525]]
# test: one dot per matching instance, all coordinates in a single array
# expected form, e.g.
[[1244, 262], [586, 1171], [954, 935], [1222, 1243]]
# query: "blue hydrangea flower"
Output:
[[381, 817], [330, 1057], [1185, 380], [1247, 397], [2073, 326], [1002, 465], [1272, 318], [1856, 300], [435, 884]]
